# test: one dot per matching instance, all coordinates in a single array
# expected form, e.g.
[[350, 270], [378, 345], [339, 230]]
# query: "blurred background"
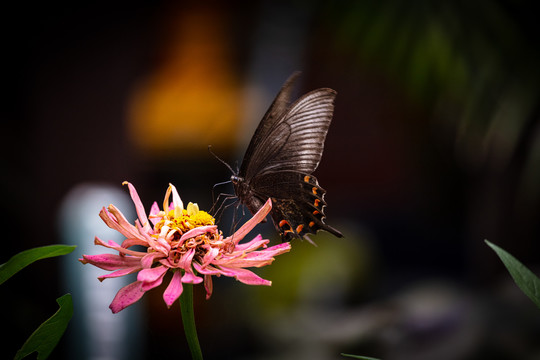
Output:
[[434, 147]]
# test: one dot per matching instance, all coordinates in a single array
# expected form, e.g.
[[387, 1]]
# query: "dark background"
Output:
[[434, 147]]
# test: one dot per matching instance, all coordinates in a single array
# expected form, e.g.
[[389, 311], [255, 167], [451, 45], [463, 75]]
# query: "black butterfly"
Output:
[[285, 149]]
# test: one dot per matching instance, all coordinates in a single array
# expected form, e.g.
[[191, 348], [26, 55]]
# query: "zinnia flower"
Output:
[[185, 242]]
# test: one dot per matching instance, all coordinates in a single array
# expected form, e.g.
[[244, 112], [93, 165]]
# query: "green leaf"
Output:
[[359, 357], [27, 257], [527, 281], [47, 335]]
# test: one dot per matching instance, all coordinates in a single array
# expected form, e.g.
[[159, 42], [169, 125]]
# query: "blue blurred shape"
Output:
[[96, 333]]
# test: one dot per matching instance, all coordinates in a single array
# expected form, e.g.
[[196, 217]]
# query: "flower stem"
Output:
[[188, 319]]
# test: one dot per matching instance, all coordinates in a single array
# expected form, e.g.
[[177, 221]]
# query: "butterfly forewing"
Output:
[[296, 141], [273, 115]]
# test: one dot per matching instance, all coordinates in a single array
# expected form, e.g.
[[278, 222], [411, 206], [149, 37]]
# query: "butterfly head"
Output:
[[240, 186], [235, 179]]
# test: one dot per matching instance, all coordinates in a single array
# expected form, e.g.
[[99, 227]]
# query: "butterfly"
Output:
[[283, 153]]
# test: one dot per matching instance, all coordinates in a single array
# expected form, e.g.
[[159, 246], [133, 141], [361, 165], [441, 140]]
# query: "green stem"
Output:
[[188, 319]]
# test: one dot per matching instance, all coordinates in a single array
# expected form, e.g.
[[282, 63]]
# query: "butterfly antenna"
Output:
[[220, 160]]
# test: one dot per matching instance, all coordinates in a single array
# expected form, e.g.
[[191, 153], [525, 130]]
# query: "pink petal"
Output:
[[150, 285], [186, 263], [154, 210], [110, 261], [114, 219], [198, 231], [148, 260], [245, 276], [208, 285], [279, 248], [158, 244], [133, 242], [255, 258], [122, 272], [250, 224], [112, 245], [127, 296], [206, 270], [152, 274], [174, 290], [138, 206], [186, 259], [244, 263], [190, 278], [254, 244], [210, 256], [151, 278]]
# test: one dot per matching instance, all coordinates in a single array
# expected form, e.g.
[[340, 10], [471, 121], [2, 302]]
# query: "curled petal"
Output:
[[178, 204], [133, 242], [186, 259], [127, 296], [116, 221], [138, 206], [118, 273], [112, 245], [110, 261], [198, 231]]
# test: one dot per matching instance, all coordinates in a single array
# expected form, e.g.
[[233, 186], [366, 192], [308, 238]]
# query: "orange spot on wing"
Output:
[[317, 201], [311, 223], [306, 178], [316, 212], [299, 228], [283, 223], [314, 190]]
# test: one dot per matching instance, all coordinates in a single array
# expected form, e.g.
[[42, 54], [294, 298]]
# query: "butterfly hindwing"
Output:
[[297, 203]]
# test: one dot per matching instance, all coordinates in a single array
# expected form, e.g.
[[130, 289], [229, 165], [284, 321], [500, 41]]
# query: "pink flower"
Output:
[[185, 242]]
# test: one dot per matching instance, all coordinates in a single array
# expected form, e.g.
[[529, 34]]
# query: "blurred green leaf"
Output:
[[48, 334], [359, 357], [27, 257], [527, 281]]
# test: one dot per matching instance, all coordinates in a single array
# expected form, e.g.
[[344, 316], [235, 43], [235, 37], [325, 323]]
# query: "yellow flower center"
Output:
[[190, 218], [175, 226]]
